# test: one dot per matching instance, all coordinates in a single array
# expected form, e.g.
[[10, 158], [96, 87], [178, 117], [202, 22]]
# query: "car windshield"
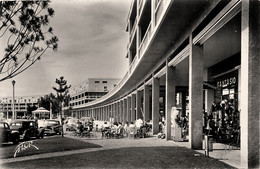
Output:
[[53, 122], [16, 124]]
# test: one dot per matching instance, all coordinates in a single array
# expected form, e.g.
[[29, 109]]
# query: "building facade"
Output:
[[21, 104], [198, 57], [90, 90]]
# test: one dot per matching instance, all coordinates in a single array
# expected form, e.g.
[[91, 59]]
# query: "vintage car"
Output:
[[7, 135], [70, 124], [52, 127], [27, 129]]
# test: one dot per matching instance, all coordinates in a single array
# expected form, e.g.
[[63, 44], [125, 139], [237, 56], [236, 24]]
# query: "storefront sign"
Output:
[[23, 146], [227, 82]]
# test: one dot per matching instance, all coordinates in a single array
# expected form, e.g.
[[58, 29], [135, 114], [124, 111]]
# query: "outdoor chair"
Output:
[[120, 133], [132, 133]]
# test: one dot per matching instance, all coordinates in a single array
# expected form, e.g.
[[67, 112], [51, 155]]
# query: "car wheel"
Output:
[[16, 139], [26, 137]]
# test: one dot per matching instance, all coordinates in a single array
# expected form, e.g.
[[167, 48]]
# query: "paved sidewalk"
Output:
[[220, 151], [109, 144]]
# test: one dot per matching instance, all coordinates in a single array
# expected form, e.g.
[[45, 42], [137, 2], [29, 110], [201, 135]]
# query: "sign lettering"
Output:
[[23, 146]]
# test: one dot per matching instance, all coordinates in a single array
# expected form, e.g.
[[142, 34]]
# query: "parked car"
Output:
[[70, 124], [27, 129], [7, 135], [52, 127]]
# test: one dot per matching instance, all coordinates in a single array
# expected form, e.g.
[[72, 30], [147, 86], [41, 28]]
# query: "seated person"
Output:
[[119, 131], [132, 130], [105, 128], [139, 123]]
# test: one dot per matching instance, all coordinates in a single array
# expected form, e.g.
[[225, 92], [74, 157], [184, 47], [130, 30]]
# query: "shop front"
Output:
[[223, 121]]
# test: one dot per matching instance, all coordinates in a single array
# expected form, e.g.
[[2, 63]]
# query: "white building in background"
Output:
[[21, 104], [91, 89]]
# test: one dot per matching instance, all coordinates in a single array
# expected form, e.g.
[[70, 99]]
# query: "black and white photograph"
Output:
[[130, 84]]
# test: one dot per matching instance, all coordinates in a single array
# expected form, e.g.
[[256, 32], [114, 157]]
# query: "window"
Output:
[[104, 82], [96, 81], [105, 88]]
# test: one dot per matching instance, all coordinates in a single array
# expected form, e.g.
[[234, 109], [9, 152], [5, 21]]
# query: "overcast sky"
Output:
[[92, 44]]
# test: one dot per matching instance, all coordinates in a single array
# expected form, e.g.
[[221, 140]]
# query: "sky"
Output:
[[92, 44]]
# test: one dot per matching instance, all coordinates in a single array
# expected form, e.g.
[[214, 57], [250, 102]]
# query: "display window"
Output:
[[223, 120]]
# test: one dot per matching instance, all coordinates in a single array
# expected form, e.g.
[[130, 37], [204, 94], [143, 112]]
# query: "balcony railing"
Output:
[[133, 64], [145, 40], [161, 8], [133, 30], [141, 4]]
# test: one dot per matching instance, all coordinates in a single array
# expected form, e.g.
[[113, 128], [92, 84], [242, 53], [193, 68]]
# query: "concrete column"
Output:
[[105, 113], [133, 103], [125, 110], [122, 111], [128, 110], [116, 114], [117, 111], [100, 113], [109, 111], [170, 94], [138, 104], [250, 88], [195, 95], [113, 110], [155, 105], [146, 102]]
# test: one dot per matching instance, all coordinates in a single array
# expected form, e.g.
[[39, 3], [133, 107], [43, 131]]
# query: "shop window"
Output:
[[223, 119]]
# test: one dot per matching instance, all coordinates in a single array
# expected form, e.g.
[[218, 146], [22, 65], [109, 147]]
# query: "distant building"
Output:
[[21, 103], [91, 89]]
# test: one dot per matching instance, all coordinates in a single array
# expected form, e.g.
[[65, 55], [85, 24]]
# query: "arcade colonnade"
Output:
[[223, 57]]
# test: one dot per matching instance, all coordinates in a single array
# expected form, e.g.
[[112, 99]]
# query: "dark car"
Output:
[[52, 127], [7, 135], [27, 129]]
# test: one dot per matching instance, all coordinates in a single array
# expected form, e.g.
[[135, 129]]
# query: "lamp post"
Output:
[[14, 116]]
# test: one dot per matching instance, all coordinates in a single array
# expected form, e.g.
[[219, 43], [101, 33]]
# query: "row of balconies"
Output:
[[87, 95], [160, 8]]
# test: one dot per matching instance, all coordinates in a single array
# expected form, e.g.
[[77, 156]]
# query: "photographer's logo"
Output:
[[23, 146]]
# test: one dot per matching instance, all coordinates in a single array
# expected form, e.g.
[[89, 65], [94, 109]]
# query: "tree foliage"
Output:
[[48, 99], [62, 94], [62, 90], [24, 28]]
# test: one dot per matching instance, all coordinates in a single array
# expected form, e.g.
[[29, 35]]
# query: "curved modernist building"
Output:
[[199, 56]]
